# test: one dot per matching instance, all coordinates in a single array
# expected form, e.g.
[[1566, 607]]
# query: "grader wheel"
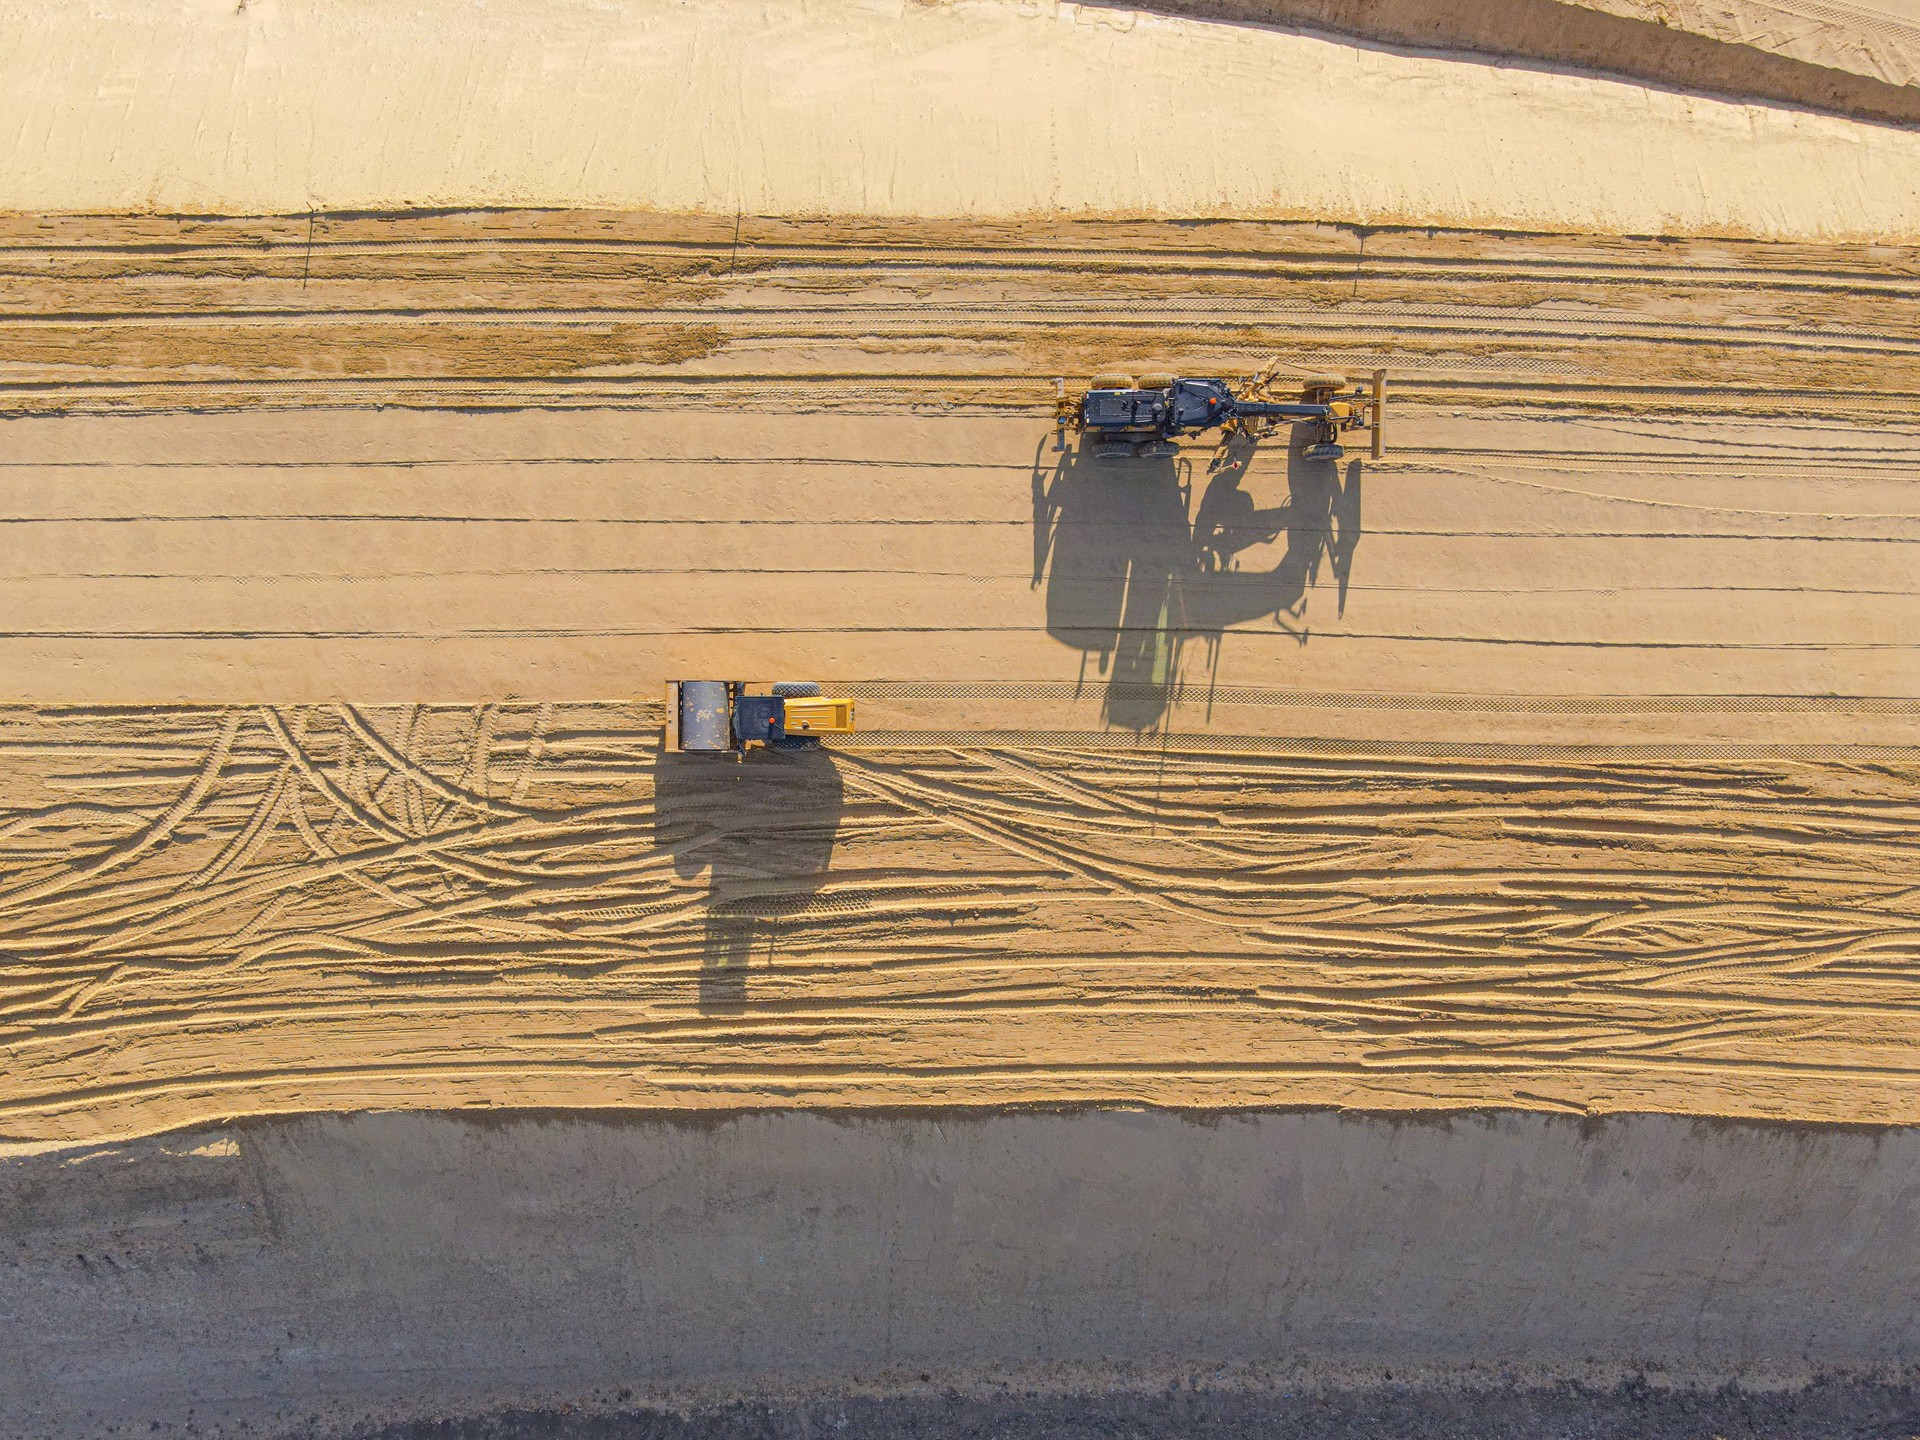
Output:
[[1323, 382], [1155, 380], [1112, 380]]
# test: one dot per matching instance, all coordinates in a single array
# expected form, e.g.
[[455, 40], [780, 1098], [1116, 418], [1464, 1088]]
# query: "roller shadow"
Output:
[[762, 829], [1130, 581]]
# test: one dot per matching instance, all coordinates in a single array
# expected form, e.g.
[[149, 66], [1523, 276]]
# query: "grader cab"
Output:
[[1127, 415]]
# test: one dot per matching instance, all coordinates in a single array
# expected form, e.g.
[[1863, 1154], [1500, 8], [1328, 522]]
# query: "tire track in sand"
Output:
[[934, 926]]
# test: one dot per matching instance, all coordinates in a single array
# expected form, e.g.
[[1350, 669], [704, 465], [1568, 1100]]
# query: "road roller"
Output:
[[727, 717]]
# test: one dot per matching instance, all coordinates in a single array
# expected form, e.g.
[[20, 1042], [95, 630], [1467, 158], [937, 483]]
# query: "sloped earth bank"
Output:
[[1838, 55], [883, 107], [1074, 1274], [1875, 39]]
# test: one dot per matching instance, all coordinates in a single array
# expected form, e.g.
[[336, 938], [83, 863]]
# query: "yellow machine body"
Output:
[[818, 715], [734, 716]]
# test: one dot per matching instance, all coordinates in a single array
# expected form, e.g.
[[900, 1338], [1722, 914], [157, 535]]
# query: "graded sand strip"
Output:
[[884, 109], [573, 308], [1616, 467], [445, 556]]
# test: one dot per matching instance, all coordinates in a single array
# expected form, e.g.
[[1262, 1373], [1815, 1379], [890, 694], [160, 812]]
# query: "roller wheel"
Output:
[[796, 688], [1155, 380], [1113, 380]]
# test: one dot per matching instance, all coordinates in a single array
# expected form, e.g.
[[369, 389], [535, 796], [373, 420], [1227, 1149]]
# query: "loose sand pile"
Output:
[[886, 109]]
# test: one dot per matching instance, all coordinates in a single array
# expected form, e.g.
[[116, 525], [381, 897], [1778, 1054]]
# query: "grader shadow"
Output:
[[762, 829], [1134, 572]]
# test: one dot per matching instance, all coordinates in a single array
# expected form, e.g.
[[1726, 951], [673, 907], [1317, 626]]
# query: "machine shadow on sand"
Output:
[[762, 828], [1133, 570]]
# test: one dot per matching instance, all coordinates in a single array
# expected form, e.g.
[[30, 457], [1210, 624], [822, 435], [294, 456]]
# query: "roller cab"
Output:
[[726, 717]]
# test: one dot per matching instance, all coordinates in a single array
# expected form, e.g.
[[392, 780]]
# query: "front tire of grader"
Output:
[[1327, 381]]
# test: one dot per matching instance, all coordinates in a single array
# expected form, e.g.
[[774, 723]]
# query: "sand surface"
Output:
[[839, 106], [224, 912], [1565, 758]]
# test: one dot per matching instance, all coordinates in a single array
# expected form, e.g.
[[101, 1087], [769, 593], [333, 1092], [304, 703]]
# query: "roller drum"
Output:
[[706, 719]]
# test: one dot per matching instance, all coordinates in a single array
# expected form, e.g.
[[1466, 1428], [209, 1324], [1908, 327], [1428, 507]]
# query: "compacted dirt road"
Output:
[[1563, 759]]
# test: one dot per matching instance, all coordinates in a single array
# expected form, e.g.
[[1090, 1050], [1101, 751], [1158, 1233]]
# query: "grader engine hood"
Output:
[[1124, 409], [1187, 405]]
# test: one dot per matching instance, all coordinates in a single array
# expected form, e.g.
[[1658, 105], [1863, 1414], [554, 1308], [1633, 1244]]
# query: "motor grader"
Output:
[[1128, 416], [728, 717]]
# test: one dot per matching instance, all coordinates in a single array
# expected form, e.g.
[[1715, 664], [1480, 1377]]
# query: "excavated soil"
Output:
[[1565, 758]]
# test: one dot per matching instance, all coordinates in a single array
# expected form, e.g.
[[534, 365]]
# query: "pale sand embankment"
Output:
[[836, 106]]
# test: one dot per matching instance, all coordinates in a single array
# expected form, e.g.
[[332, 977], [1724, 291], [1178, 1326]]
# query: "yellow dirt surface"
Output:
[[236, 910], [1566, 758], [976, 108]]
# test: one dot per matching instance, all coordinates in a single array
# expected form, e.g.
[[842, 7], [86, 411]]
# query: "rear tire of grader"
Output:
[[1112, 380]]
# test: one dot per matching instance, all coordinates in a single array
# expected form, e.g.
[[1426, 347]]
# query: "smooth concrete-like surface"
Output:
[[329, 1272], [1187, 1408]]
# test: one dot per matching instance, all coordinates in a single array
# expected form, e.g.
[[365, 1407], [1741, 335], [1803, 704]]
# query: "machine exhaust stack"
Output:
[[1379, 414]]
